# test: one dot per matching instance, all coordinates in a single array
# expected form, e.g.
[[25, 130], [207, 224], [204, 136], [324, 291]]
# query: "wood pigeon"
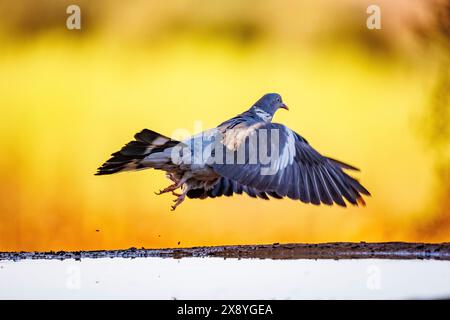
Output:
[[245, 154]]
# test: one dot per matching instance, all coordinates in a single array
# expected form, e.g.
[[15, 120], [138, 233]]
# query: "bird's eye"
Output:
[[278, 99]]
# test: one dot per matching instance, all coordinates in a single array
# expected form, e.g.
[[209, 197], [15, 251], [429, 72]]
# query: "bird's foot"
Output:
[[170, 188], [178, 201]]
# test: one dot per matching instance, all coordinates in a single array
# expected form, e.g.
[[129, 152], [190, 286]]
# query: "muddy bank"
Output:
[[335, 250]]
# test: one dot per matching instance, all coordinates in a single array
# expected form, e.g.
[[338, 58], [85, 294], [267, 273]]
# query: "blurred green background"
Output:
[[378, 99]]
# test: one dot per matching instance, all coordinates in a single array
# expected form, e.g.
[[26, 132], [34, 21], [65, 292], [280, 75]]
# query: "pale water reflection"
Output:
[[216, 278]]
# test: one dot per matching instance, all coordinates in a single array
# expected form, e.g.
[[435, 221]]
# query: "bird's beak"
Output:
[[284, 106]]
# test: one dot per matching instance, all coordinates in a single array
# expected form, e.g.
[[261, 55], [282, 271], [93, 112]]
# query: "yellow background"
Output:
[[376, 99]]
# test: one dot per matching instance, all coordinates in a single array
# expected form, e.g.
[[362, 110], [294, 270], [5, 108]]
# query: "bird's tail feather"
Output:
[[131, 155]]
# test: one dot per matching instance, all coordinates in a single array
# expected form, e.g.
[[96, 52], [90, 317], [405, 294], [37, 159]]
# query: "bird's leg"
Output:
[[178, 201], [177, 184], [171, 177], [180, 198], [170, 188]]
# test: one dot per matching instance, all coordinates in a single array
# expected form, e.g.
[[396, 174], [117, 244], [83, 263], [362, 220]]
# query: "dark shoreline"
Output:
[[332, 250]]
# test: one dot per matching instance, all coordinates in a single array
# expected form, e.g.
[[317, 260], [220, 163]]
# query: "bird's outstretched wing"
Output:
[[294, 169]]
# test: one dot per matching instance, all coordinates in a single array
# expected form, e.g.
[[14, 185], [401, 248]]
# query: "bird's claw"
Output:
[[180, 197], [170, 188], [178, 201]]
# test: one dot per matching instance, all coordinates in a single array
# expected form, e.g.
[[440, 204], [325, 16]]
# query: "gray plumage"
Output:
[[295, 169]]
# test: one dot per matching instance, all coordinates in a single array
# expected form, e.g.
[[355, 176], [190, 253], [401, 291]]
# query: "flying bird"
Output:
[[245, 154]]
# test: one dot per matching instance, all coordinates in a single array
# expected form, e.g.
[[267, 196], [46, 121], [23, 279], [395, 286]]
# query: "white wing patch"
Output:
[[286, 156]]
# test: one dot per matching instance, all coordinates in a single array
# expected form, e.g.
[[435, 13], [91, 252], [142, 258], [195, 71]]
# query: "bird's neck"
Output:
[[263, 115]]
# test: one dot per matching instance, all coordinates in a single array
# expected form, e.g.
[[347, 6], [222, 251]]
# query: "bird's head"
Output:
[[270, 103]]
